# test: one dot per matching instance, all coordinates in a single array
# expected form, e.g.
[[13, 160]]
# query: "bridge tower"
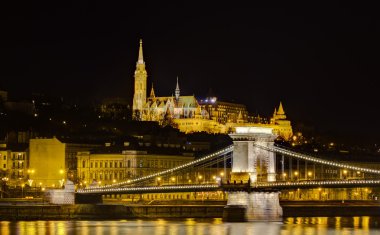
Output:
[[249, 162]]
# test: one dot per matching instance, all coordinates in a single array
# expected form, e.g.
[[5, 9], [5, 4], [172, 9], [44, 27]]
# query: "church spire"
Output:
[[280, 109], [141, 57], [152, 95], [177, 91], [280, 112], [140, 92]]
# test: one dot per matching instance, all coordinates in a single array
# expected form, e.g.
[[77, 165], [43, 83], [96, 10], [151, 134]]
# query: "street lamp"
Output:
[[284, 176], [309, 174], [344, 174], [296, 175]]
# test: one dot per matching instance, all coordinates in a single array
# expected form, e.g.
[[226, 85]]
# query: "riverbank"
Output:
[[25, 211]]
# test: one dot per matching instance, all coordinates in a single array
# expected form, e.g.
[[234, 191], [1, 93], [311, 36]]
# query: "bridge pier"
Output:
[[252, 206], [249, 161]]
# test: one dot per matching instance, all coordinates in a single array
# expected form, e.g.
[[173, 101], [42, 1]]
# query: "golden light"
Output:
[[173, 179], [319, 189], [158, 178], [100, 182], [85, 182], [114, 181], [213, 177], [344, 171], [284, 174], [309, 173], [358, 172], [199, 177], [221, 174], [189, 181], [61, 171], [296, 173], [43, 189]]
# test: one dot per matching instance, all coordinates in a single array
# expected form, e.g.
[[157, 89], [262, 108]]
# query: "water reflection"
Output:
[[290, 226]]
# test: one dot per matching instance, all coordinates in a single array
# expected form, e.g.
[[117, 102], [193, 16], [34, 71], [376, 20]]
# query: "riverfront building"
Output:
[[54, 160]]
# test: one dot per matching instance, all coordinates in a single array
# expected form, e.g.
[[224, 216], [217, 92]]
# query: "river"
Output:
[[289, 226]]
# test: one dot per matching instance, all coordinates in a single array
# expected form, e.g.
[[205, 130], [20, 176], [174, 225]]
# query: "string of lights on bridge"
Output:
[[224, 151], [214, 187], [318, 183], [317, 160], [206, 187], [229, 149]]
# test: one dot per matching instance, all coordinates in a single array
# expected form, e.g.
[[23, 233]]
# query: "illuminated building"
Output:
[[280, 124], [224, 112], [139, 98], [160, 109], [108, 168], [54, 160], [188, 115], [14, 163]]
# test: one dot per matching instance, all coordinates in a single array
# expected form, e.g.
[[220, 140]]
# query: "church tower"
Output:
[[177, 91], [139, 97]]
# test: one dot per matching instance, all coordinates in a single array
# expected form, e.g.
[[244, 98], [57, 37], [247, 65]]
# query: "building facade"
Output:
[[14, 163], [54, 161], [108, 168], [224, 112]]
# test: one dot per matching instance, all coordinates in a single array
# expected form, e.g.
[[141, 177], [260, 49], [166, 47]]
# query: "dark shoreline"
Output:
[[136, 211]]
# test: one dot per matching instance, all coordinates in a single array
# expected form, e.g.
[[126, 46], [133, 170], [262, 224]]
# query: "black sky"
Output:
[[321, 63]]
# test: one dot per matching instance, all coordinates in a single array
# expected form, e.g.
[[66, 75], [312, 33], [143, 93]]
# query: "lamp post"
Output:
[[344, 174], [296, 175], [200, 178], [309, 174], [284, 176]]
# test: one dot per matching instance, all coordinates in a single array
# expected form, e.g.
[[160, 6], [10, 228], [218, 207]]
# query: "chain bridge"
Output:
[[252, 171]]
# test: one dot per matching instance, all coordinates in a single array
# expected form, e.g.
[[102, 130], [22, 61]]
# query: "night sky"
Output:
[[323, 64]]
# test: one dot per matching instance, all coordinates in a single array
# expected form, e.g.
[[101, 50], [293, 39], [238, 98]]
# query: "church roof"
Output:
[[183, 101], [280, 109]]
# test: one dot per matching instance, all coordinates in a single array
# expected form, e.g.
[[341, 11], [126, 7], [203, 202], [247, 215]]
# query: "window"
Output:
[[96, 165], [5, 166], [5, 157], [105, 165], [129, 163], [120, 164], [84, 164], [91, 165], [111, 164], [100, 164]]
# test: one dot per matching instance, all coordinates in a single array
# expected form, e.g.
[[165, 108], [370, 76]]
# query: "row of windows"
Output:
[[142, 163], [106, 176], [106, 164]]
